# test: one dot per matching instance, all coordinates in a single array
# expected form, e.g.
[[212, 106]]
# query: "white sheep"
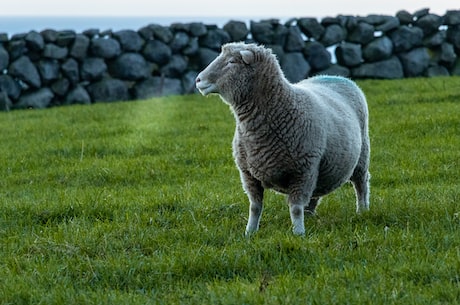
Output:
[[304, 140]]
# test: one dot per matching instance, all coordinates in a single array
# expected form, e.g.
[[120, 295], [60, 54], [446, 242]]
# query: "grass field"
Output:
[[141, 203]]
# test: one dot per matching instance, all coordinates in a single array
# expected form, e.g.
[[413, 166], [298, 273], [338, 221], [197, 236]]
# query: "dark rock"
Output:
[[106, 34], [175, 67], [78, 95], [453, 36], [335, 70], [16, 49], [4, 59], [146, 32], [349, 54], [162, 33], [93, 68], [277, 50], [91, 33], [405, 18], [34, 41], [294, 40], [205, 56], [452, 17], [311, 27], [456, 69], [415, 62], [262, 32], [19, 36], [157, 52], [188, 82], [23, 69], [269, 32], [448, 55], [375, 19], [55, 52], [214, 39], [386, 69], [3, 38], [333, 34], [49, 35], [435, 40], [192, 47], [363, 33], [109, 90], [429, 23], [79, 48], [197, 29], [349, 22], [422, 12], [379, 49], [105, 47], [10, 86], [237, 30], [65, 38], [179, 41], [157, 86], [71, 70], [389, 24], [130, 66], [317, 55], [327, 21], [436, 71], [180, 27], [39, 99], [280, 33], [156, 31], [130, 41], [5, 102], [295, 67], [61, 86], [48, 69], [406, 38]]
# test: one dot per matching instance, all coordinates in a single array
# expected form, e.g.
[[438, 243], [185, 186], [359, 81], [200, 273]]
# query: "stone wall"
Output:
[[50, 68]]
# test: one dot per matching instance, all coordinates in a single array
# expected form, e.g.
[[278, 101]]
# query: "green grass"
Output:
[[141, 203]]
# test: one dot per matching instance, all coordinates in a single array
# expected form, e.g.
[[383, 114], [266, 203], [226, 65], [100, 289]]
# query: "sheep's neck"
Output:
[[264, 95], [262, 103]]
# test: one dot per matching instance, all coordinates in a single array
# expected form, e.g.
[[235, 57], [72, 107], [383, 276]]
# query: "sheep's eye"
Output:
[[232, 61]]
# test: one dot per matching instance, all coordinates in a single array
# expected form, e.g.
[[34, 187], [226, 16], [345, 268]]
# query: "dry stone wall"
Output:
[[50, 68]]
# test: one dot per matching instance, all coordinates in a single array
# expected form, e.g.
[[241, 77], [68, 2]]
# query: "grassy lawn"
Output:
[[141, 203]]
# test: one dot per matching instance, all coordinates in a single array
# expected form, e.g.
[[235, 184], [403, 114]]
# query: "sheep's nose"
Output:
[[197, 80]]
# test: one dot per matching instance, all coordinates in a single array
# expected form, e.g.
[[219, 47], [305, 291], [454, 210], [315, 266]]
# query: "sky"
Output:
[[215, 8]]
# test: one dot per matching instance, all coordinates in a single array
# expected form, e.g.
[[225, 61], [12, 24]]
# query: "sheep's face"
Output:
[[230, 74]]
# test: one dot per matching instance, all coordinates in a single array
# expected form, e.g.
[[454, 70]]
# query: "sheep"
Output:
[[304, 140]]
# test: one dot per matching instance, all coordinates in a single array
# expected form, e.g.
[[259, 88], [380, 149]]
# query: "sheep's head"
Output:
[[233, 72]]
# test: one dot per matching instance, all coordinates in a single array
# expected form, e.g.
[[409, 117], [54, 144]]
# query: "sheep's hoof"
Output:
[[249, 233], [298, 232]]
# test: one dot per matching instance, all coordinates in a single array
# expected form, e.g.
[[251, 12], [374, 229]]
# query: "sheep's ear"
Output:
[[248, 56]]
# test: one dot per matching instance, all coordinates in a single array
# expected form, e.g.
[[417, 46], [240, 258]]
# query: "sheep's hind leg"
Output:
[[310, 210], [360, 182]]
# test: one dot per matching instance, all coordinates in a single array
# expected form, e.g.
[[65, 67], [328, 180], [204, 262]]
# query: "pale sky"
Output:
[[214, 8]]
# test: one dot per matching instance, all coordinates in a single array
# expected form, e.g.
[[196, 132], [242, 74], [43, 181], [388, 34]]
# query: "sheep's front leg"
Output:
[[300, 199], [255, 193]]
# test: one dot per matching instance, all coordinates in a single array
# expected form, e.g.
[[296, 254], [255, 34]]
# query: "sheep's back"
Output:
[[339, 94]]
